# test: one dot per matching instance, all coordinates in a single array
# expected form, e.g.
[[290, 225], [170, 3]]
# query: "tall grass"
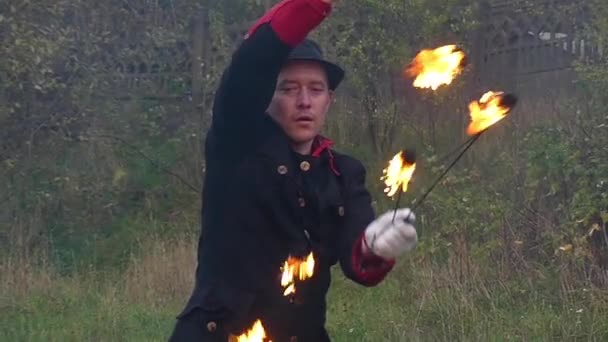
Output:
[[421, 300]]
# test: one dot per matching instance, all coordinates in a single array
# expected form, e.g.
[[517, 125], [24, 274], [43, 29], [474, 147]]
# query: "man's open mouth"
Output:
[[304, 119]]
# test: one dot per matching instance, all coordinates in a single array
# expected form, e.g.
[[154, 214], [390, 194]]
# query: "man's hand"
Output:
[[389, 239]]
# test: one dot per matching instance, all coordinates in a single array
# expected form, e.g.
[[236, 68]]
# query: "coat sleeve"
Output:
[[363, 268], [248, 83]]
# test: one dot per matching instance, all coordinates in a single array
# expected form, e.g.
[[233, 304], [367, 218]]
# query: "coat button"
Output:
[[341, 211], [302, 202], [304, 166], [282, 169], [211, 326]]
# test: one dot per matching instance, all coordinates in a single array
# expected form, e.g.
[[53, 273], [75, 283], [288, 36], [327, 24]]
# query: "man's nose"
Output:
[[304, 99]]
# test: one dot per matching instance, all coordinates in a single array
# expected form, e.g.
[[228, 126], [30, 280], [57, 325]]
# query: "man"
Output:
[[275, 189]]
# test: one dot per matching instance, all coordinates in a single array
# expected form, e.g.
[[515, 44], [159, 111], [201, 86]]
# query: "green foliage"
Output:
[[87, 154], [34, 39], [89, 168]]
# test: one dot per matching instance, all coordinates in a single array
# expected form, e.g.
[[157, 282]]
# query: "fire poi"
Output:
[[432, 68], [491, 108], [398, 173], [435, 67]]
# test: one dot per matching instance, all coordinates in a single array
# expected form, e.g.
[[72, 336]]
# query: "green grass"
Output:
[[415, 303], [408, 309], [90, 320], [75, 311]]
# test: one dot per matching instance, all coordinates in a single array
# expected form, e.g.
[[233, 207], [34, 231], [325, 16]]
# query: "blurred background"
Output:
[[104, 106]]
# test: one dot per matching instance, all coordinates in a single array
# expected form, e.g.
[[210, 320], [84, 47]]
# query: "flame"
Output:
[[255, 334], [491, 108], [398, 174], [296, 269], [432, 68]]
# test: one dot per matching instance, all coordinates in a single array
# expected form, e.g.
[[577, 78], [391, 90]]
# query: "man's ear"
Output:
[[331, 100]]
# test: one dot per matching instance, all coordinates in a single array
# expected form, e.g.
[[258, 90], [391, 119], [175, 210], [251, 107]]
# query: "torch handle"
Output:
[[397, 204], [458, 148], [467, 144], [424, 196]]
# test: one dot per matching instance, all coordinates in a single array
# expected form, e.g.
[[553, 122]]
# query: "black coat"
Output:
[[261, 203]]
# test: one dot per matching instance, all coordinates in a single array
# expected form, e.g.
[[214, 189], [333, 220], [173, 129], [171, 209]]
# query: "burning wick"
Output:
[[491, 108], [398, 174], [435, 67]]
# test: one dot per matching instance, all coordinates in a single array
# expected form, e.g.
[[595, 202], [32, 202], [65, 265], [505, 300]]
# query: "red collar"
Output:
[[320, 145]]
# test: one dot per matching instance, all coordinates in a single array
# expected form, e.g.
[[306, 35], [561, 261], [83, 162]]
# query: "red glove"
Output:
[[293, 20]]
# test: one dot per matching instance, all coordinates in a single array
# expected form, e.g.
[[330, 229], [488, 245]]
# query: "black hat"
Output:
[[308, 50]]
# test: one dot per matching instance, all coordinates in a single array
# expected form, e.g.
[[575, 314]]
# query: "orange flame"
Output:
[[255, 334], [491, 108], [296, 269], [398, 174], [432, 68]]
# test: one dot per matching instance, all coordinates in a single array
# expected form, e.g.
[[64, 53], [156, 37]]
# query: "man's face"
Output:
[[301, 100]]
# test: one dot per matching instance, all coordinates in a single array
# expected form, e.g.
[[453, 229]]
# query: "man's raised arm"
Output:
[[248, 83]]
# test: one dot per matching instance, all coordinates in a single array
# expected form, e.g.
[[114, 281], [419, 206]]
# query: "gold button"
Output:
[[341, 211], [282, 169], [302, 202], [211, 326], [305, 166]]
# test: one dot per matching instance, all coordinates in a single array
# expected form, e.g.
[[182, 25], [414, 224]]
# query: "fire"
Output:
[[399, 172], [432, 68], [255, 334], [296, 269], [491, 108]]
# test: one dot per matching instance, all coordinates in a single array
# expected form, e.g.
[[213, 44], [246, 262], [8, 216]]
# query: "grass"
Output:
[[69, 316], [415, 305], [419, 301]]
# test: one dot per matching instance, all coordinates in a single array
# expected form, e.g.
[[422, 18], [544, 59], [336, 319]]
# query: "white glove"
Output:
[[390, 239]]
